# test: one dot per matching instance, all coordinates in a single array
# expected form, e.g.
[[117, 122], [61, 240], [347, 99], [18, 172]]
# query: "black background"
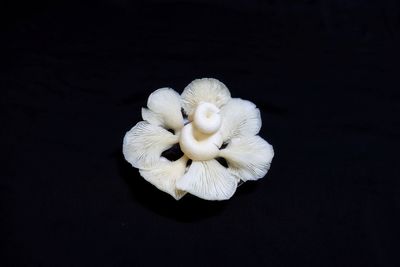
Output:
[[325, 75]]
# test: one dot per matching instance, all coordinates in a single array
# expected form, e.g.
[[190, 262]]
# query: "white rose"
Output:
[[213, 119]]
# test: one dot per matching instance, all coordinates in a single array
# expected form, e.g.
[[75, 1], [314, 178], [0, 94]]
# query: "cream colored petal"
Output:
[[249, 157], [152, 117], [208, 180], [204, 90], [164, 176], [144, 143], [240, 118], [165, 105]]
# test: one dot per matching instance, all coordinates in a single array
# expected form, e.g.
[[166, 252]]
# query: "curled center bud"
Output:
[[206, 118], [200, 139]]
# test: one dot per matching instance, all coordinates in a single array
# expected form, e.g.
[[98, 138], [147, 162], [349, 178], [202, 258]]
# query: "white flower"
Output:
[[213, 119]]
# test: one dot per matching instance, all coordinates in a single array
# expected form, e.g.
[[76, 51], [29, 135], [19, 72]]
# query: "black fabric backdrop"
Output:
[[325, 75]]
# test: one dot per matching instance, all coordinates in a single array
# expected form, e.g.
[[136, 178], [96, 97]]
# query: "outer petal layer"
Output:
[[144, 143], [240, 118], [164, 109], [249, 157], [208, 180], [204, 90], [164, 176]]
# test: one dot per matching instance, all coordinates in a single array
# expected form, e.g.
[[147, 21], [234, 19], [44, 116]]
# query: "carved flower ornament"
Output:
[[208, 125]]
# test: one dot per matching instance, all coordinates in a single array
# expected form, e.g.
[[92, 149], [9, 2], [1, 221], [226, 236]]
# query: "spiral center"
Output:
[[200, 139], [206, 118]]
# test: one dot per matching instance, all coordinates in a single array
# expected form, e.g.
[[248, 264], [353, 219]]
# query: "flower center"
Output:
[[200, 139]]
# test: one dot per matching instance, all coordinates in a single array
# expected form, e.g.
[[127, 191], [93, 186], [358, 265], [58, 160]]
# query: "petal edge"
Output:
[[249, 158], [240, 118], [208, 180], [204, 90], [164, 176], [165, 103], [144, 143]]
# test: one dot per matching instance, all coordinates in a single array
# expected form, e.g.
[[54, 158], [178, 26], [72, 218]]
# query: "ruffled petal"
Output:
[[204, 90], [164, 176], [144, 143], [164, 109], [152, 117], [249, 157], [208, 180], [240, 118]]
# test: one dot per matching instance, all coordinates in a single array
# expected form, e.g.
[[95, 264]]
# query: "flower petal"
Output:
[[144, 143], [249, 157], [204, 90], [240, 118], [165, 105], [164, 176], [152, 117], [208, 180]]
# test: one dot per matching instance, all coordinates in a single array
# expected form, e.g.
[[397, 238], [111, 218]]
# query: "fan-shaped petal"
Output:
[[240, 118], [204, 90], [248, 157], [144, 143], [164, 109], [208, 180], [152, 117], [164, 176]]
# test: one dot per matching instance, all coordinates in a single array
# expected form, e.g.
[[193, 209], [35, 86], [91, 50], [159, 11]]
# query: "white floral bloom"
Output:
[[213, 119]]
